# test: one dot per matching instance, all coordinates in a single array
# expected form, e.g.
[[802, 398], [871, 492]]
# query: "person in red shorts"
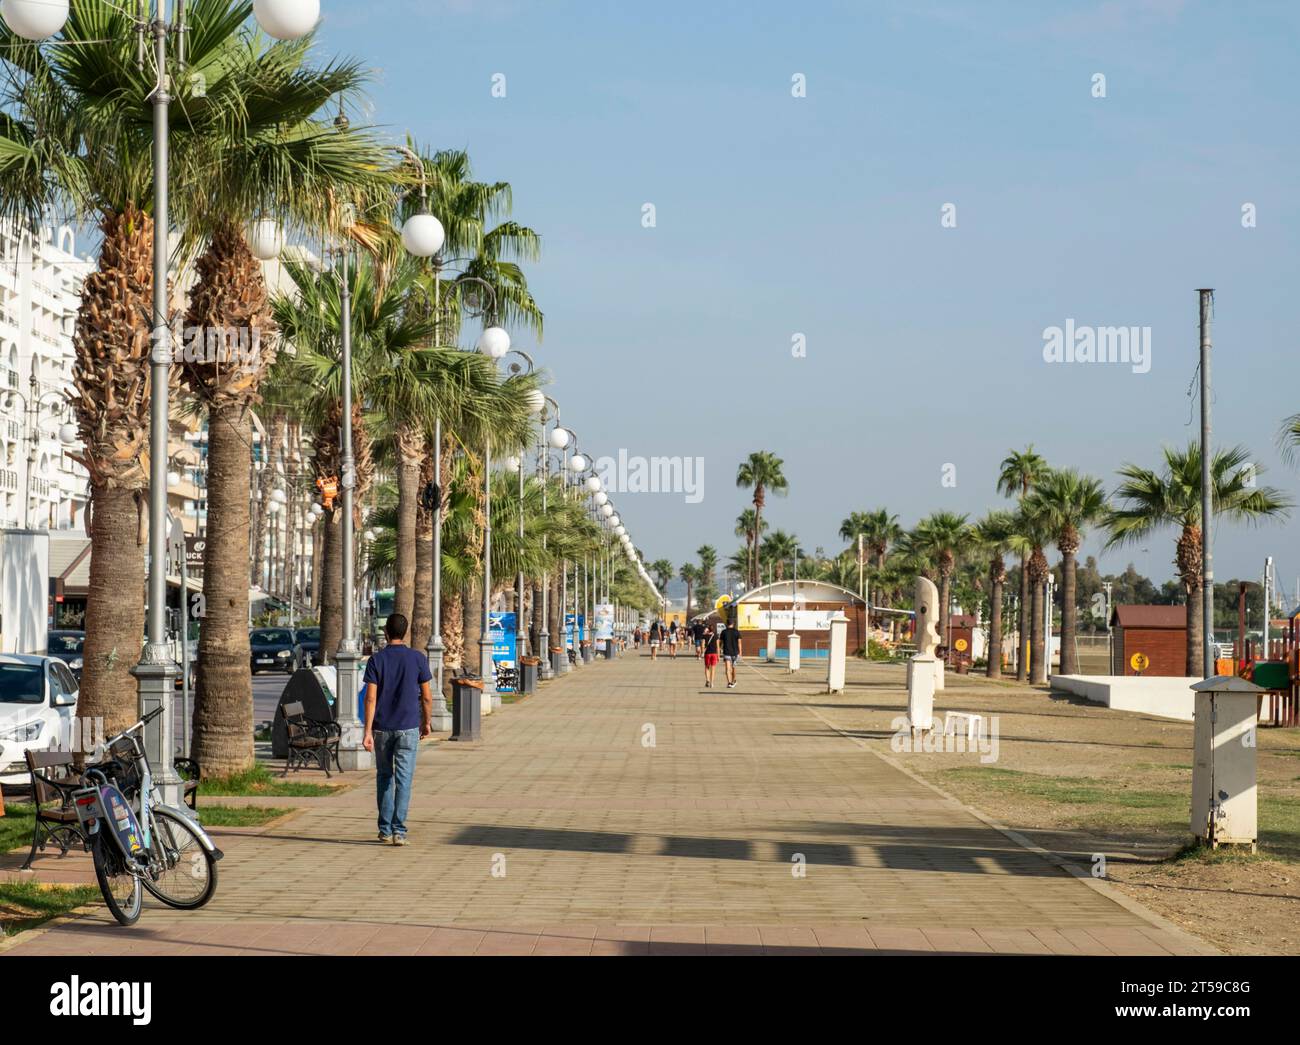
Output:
[[710, 656]]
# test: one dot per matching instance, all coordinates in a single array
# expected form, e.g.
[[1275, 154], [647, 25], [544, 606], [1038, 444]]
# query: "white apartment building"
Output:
[[41, 487]]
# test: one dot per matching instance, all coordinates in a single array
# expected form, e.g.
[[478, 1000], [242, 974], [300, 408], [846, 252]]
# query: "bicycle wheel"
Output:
[[121, 889], [187, 874]]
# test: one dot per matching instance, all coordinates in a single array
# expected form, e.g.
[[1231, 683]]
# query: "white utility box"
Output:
[[1224, 797]]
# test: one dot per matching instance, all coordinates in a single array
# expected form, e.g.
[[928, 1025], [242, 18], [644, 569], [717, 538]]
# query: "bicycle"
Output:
[[137, 843]]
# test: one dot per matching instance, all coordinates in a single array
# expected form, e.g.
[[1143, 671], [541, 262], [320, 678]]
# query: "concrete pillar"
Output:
[[920, 694], [838, 653], [794, 651], [352, 756]]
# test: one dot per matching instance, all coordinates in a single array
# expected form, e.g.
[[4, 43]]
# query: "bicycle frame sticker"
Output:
[[121, 818]]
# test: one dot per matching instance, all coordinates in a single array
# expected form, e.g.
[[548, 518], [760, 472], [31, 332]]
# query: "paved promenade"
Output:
[[625, 809]]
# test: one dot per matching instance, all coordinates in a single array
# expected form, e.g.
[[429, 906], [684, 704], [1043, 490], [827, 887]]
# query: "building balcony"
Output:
[[9, 480]]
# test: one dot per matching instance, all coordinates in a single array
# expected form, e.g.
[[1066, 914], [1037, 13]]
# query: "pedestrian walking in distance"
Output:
[[731, 653], [710, 656], [654, 641], [399, 713]]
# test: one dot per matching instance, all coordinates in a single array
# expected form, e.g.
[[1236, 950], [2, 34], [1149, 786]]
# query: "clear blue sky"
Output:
[[820, 216]]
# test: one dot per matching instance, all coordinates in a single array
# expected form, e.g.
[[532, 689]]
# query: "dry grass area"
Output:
[[1081, 780]]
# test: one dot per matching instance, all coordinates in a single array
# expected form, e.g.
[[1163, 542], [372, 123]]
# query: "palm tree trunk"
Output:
[[410, 454], [997, 578], [1022, 623], [1038, 662], [472, 614], [535, 624], [1069, 614], [223, 704], [331, 585], [422, 618], [114, 618]]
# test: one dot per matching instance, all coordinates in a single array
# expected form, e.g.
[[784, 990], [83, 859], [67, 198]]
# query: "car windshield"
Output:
[[309, 634], [66, 643], [272, 638], [22, 684]]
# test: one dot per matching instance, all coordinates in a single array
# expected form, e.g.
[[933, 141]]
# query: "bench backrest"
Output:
[[38, 762]]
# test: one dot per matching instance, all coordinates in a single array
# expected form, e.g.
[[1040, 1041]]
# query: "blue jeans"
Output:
[[395, 752]]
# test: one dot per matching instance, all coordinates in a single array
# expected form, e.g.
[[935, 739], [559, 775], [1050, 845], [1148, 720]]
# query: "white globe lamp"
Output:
[[266, 239], [601, 498], [494, 342], [536, 400], [34, 19], [577, 463], [593, 484], [287, 19], [423, 235], [559, 438]]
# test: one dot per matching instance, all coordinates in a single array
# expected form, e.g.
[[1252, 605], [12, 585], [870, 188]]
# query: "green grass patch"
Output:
[[25, 905], [16, 826], [239, 816], [1194, 852], [1107, 806], [261, 781]]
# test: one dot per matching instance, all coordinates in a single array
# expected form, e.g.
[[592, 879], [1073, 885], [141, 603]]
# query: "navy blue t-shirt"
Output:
[[397, 671]]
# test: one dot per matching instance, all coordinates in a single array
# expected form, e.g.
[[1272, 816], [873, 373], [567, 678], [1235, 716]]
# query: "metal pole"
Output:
[[349, 652], [544, 636], [1207, 507], [520, 644], [486, 671], [156, 672]]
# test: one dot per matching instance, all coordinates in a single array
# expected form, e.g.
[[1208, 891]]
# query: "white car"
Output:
[[38, 710]]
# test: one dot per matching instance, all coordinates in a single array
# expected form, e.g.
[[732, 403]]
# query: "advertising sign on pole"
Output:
[[504, 636]]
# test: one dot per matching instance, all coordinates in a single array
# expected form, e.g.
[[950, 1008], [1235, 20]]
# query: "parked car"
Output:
[[67, 646], [38, 710], [306, 649], [271, 649]]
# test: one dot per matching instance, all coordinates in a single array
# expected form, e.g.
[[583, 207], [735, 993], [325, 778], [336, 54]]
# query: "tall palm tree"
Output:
[[707, 573], [1032, 534], [943, 537], [879, 530], [1019, 472], [662, 570], [689, 575], [779, 549], [994, 535], [750, 526], [1147, 501], [1069, 503], [76, 135], [762, 472]]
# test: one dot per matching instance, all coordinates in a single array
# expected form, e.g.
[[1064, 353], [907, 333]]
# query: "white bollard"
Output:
[[839, 651], [794, 651], [920, 695], [771, 647]]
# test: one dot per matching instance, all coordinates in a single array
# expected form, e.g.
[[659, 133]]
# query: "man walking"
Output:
[[399, 712], [730, 653]]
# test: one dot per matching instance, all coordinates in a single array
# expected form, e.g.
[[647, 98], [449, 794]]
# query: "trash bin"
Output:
[[528, 674], [559, 661], [466, 708], [609, 649], [586, 653]]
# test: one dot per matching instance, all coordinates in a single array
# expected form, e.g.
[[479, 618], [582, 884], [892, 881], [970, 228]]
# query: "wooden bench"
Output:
[[53, 782]]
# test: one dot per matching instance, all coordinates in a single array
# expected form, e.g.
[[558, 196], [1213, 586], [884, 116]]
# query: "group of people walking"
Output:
[[720, 642]]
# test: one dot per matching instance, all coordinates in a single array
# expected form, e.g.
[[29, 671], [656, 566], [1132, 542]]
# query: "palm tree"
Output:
[[662, 571], [750, 527], [943, 537], [763, 473], [1288, 438], [1069, 503], [780, 548], [707, 573], [1018, 473], [1032, 535], [1148, 501], [879, 530], [994, 535], [689, 575]]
